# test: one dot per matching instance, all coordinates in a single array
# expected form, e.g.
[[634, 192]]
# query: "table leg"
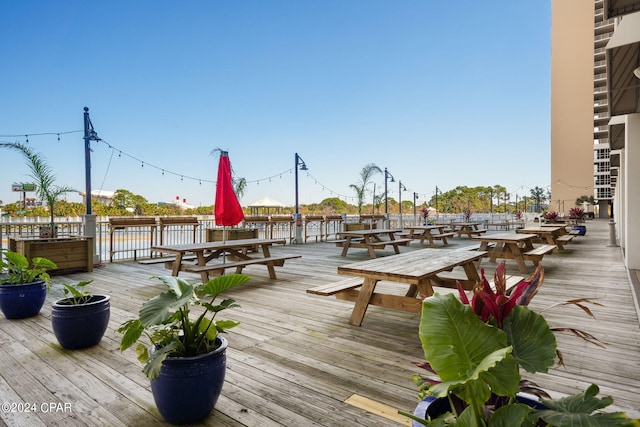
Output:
[[362, 302], [267, 253], [176, 265], [367, 241], [518, 257], [345, 248], [472, 274]]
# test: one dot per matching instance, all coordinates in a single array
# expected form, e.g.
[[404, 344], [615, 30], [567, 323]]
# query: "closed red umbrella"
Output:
[[227, 210]]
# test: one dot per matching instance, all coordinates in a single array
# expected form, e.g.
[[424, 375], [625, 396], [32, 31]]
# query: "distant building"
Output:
[[182, 204], [101, 196], [595, 111]]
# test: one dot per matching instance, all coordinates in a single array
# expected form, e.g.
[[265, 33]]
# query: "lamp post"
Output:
[[401, 188], [415, 198], [299, 163], [387, 175], [89, 220], [437, 210], [373, 201]]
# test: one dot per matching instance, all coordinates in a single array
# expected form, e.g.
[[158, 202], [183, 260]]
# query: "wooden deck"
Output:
[[296, 361]]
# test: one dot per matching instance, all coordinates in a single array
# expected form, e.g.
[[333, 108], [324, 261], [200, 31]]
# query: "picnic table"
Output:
[[229, 254], [518, 247], [429, 233], [551, 235], [470, 229], [370, 240], [420, 269]]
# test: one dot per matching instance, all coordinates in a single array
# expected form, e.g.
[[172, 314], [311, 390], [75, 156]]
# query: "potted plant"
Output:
[[477, 350], [23, 286], [551, 217], [44, 179], [184, 357], [424, 212], [578, 215], [466, 212], [80, 319]]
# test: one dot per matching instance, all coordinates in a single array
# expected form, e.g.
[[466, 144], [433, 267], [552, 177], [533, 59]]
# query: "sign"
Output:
[[21, 186]]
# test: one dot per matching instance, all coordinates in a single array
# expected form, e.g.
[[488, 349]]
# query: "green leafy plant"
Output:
[[15, 268], [165, 321], [75, 293], [477, 348]]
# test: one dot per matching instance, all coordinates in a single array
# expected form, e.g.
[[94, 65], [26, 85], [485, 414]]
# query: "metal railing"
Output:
[[119, 243]]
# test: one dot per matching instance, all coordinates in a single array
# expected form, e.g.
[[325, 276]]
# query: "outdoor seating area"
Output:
[[295, 358]]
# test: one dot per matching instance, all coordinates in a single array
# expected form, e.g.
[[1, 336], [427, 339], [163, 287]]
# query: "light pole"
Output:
[[89, 220], [89, 135], [373, 201], [415, 198], [401, 188], [302, 165], [437, 210], [387, 175]]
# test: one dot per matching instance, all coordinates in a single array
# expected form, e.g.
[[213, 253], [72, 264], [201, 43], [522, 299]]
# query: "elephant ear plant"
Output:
[[165, 320], [477, 349], [15, 269]]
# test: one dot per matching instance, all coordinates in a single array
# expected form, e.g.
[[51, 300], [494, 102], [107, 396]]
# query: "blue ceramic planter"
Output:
[[82, 325], [582, 229], [188, 387], [22, 300], [434, 407]]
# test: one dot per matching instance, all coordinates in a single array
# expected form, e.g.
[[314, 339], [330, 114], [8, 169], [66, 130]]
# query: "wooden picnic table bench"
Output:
[[516, 246], [271, 261], [371, 240], [237, 251], [550, 235], [469, 229], [431, 233], [419, 269]]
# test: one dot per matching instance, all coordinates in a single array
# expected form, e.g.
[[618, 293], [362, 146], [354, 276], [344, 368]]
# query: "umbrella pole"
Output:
[[224, 241]]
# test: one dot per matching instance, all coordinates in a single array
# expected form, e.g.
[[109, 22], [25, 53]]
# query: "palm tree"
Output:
[[538, 195], [43, 176], [366, 174]]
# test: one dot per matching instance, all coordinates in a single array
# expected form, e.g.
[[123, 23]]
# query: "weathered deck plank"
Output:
[[295, 360]]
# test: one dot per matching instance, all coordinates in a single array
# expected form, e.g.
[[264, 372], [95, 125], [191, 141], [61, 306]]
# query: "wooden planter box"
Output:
[[215, 234], [69, 254]]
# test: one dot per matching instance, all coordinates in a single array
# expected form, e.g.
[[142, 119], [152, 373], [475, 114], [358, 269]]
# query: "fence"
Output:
[[127, 238]]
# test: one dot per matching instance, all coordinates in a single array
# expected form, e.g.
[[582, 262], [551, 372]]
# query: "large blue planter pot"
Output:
[[188, 387], [434, 407], [582, 229], [81, 325], [22, 300]]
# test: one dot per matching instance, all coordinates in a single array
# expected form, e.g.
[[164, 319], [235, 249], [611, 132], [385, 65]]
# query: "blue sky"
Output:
[[442, 95]]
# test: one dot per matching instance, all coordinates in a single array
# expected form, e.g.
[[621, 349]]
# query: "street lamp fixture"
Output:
[[401, 188], [387, 175], [89, 135], [299, 164], [437, 210]]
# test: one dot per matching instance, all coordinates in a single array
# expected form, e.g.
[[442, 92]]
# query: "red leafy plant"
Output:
[[425, 214], [551, 216], [477, 348], [577, 213], [467, 214]]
